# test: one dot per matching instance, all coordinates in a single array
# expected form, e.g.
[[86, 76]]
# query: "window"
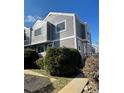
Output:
[[40, 49], [60, 27], [38, 32], [24, 35]]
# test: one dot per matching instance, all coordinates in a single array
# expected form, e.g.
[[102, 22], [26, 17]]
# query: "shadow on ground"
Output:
[[77, 74]]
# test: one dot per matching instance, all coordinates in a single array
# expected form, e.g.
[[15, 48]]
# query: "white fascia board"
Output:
[[83, 39], [58, 13], [75, 35], [45, 41], [26, 27], [63, 38], [38, 21]]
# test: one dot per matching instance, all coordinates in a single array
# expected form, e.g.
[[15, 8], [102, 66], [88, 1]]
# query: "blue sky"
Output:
[[87, 10]]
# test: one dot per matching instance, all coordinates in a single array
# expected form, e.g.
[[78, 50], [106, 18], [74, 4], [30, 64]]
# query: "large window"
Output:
[[60, 26], [38, 31]]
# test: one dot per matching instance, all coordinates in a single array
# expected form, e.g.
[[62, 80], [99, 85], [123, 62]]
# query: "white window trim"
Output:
[[75, 35], [69, 37], [60, 30]]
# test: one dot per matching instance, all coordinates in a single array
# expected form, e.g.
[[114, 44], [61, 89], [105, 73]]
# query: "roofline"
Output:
[[26, 27], [38, 20], [58, 13], [86, 24]]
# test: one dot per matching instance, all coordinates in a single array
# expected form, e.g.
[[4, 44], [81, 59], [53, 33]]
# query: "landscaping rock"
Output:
[[34, 83]]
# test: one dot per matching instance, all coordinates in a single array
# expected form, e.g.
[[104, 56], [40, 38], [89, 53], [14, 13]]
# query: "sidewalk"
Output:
[[75, 86]]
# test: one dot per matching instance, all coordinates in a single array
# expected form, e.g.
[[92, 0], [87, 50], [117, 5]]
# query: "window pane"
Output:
[[40, 49], [38, 31], [24, 35], [60, 26]]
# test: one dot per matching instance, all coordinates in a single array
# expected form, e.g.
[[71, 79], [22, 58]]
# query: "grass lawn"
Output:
[[52, 87]]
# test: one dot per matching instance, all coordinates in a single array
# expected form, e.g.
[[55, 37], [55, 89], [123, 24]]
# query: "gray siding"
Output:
[[89, 36], [89, 49], [49, 33], [65, 43], [54, 19], [80, 29], [43, 36]]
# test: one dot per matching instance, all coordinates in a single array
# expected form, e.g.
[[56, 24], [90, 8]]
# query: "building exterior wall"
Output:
[[43, 36], [80, 29], [76, 34], [89, 49], [50, 30], [54, 19], [27, 35], [65, 43], [80, 47]]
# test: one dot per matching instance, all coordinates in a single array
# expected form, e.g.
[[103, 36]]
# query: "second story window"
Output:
[[38, 32], [61, 26]]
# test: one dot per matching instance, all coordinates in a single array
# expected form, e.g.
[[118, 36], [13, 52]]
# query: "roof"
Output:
[[59, 13]]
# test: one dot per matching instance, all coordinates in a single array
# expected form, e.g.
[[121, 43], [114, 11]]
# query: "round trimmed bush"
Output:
[[30, 56], [62, 61]]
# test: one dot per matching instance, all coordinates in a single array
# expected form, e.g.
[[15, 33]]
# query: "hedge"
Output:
[[40, 63], [62, 61], [30, 56]]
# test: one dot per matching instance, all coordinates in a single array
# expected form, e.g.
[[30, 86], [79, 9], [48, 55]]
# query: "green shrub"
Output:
[[40, 63], [62, 61], [30, 56]]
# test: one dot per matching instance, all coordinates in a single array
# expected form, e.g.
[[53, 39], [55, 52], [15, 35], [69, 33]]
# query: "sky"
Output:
[[87, 10]]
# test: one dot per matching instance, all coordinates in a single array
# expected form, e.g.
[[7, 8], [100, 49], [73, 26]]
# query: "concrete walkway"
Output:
[[75, 86], [29, 72]]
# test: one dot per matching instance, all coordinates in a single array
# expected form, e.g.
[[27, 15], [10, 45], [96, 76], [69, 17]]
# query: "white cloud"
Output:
[[37, 17], [29, 19]]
